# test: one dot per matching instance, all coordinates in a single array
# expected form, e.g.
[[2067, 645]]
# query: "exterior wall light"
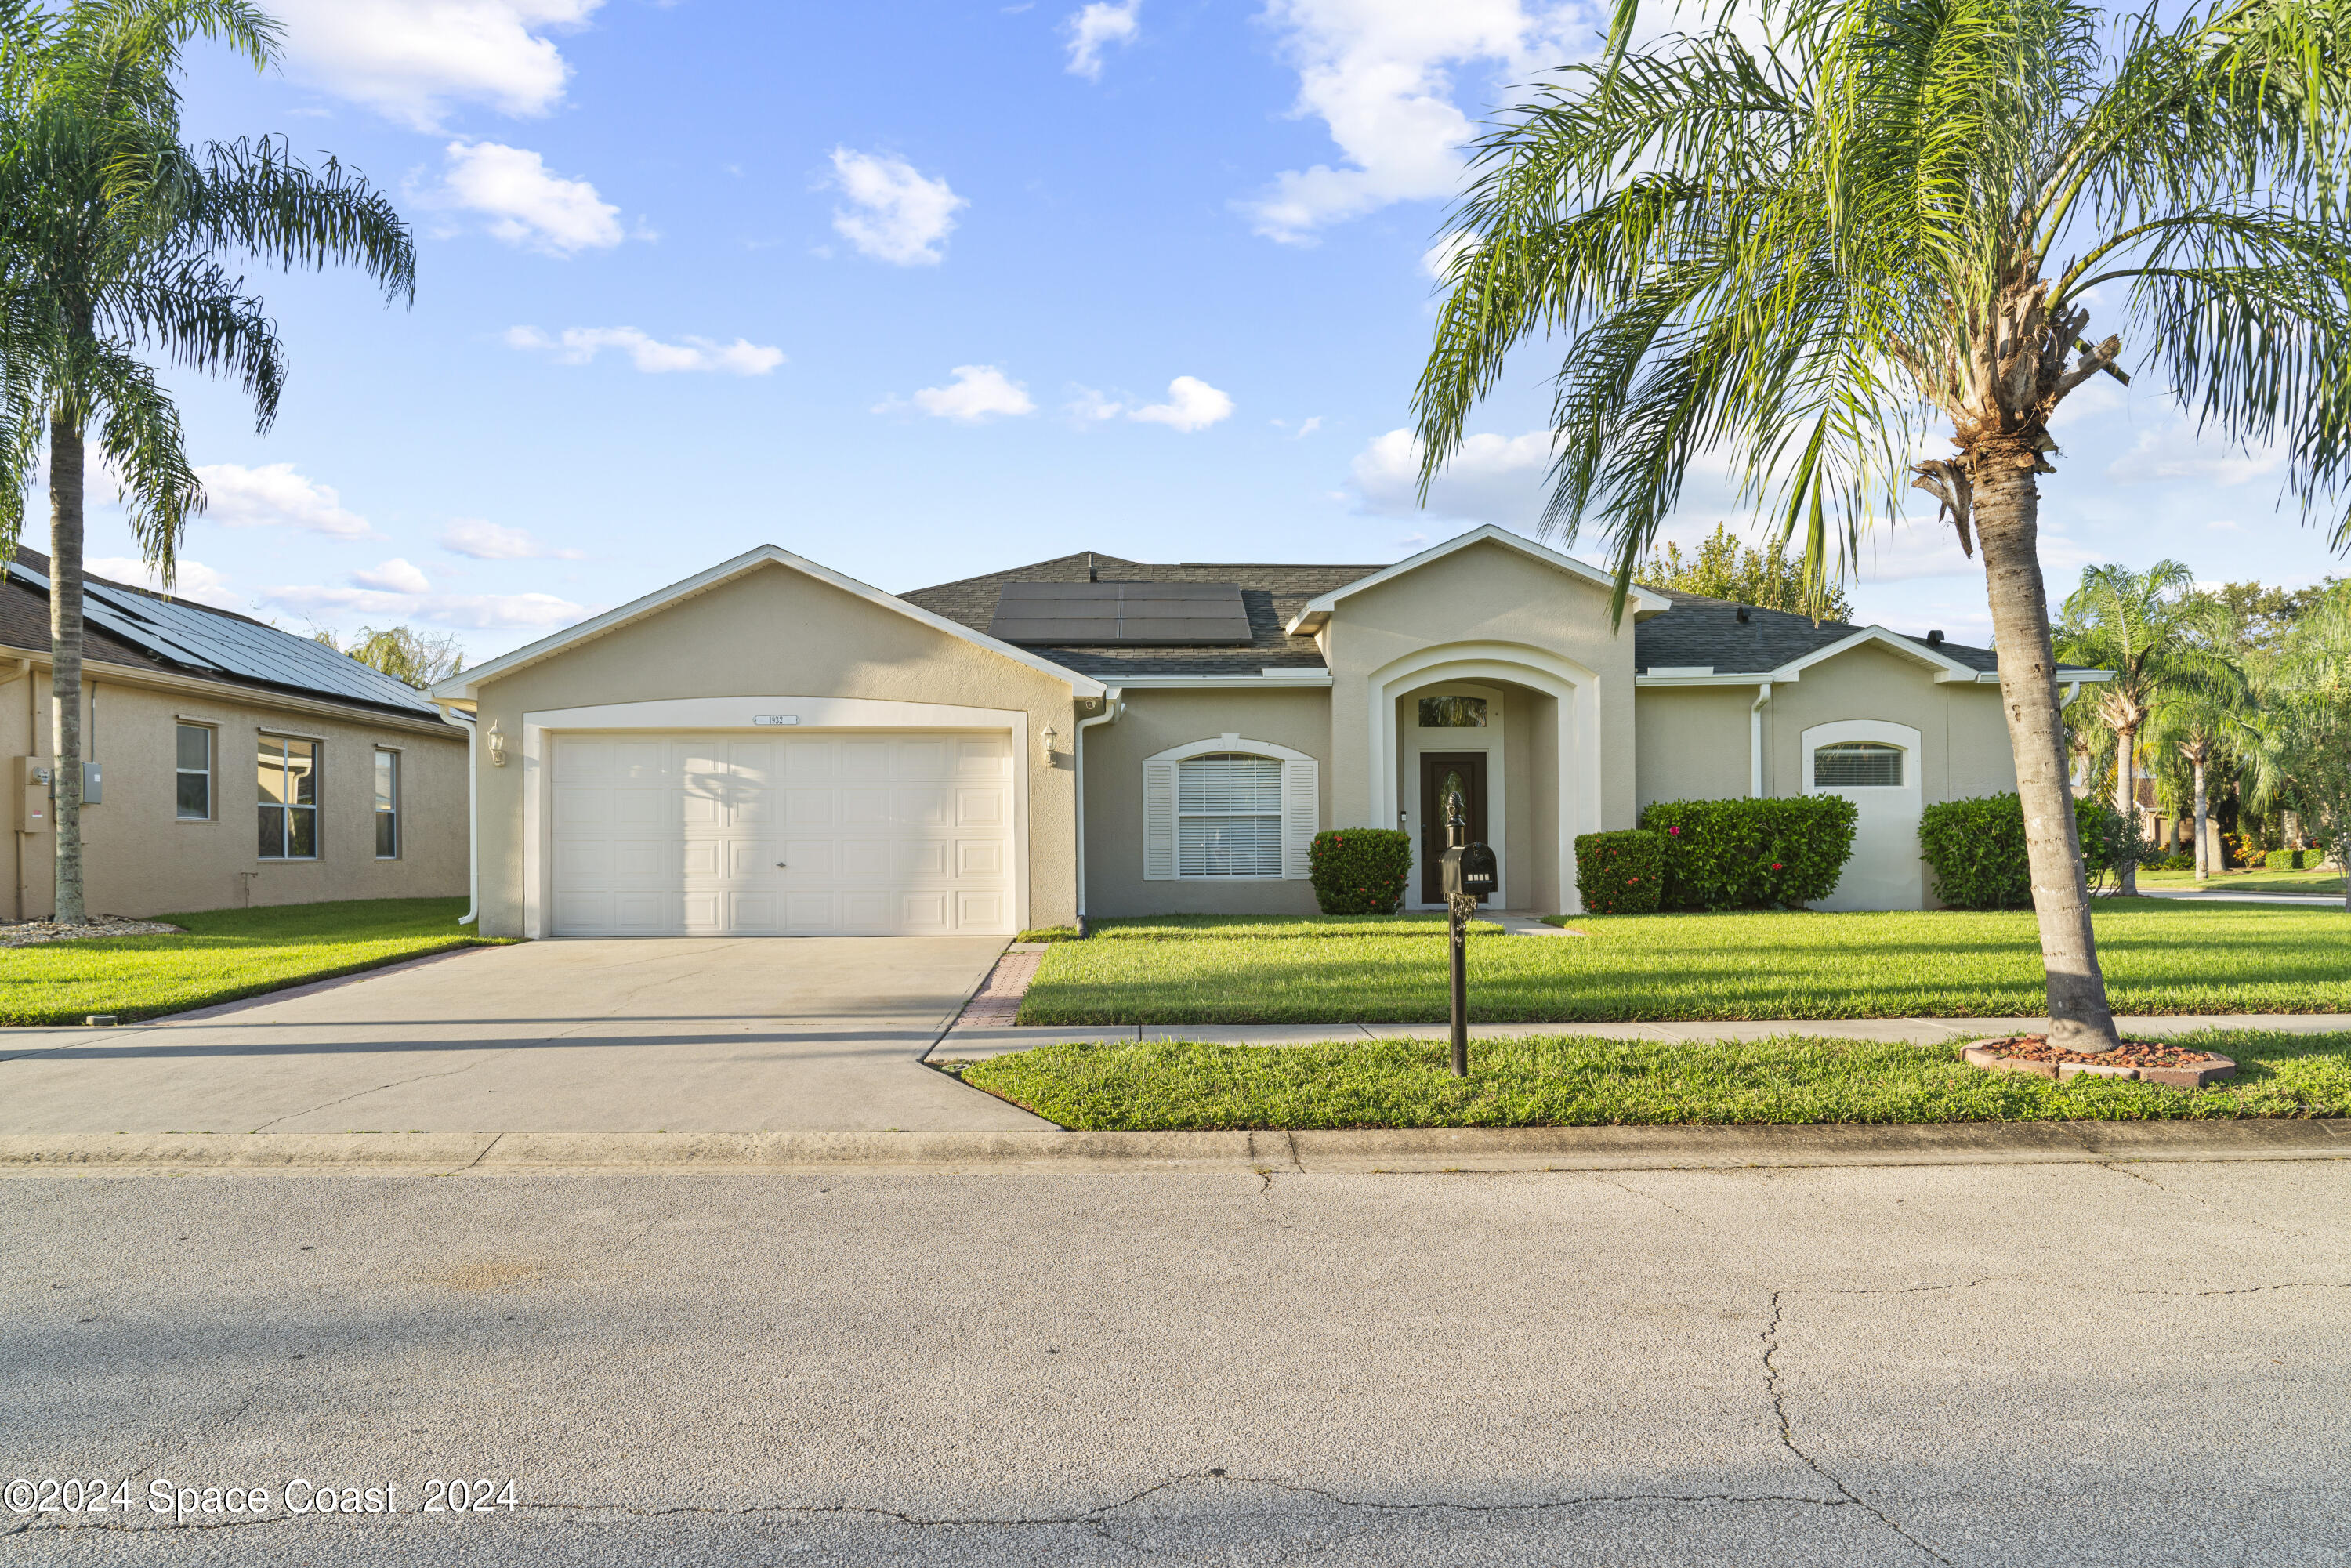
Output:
[[498, 745], [1047, 737]]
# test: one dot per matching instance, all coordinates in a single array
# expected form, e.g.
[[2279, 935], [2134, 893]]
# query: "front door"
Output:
[[1444, 774]]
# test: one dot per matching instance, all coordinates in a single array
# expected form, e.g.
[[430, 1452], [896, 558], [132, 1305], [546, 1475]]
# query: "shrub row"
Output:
[[1359, 871], [1976, 847], [2290, 860], [1620, 873], [1744, 853]]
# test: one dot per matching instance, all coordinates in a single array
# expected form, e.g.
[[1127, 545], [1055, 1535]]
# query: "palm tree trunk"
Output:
[[2203, 861], [2007, 510], [65, 657], [2127, 800]]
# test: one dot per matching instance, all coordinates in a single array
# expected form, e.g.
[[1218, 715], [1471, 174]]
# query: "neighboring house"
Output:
[[237, 763], [769, 747]]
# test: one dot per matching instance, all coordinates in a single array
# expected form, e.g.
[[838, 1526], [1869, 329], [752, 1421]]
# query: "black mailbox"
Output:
[[1471, 871]]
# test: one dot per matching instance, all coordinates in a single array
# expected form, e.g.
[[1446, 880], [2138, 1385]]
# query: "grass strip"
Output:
[[2161, 955], [227, 954], [1575, 1082]]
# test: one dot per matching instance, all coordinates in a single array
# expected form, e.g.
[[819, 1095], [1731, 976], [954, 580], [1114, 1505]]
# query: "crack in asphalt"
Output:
[[1653, 1198], [2197, 1200], [1787, 1439]]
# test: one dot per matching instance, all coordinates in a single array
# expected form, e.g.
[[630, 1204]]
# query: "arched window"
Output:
[[1856, 765], [1227, 809]]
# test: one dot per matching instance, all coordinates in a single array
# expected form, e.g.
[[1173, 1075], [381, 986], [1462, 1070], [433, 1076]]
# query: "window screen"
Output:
[[290, 799], [1453, 712], [195, 773], [387, 805], [1856, 765], [1228, 816]]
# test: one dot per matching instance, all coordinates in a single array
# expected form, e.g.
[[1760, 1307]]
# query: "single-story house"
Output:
[[230, 762], [769, 747]]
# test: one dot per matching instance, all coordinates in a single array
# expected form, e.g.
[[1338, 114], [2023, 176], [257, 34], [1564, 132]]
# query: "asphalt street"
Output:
[[2019, 1364]]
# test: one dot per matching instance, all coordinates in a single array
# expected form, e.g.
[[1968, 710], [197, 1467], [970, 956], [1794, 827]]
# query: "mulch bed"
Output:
[[2173, 1066], [32, 931]]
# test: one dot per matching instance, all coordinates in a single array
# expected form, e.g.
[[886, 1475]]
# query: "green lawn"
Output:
[[1560, 1081], [227, 954], [2300, 882], [2161, 955]]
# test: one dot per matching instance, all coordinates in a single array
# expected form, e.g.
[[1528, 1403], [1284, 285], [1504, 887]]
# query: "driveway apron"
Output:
[[811, 1034]]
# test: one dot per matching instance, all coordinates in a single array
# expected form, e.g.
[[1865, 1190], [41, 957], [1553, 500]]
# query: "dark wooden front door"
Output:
[[1443, 773]]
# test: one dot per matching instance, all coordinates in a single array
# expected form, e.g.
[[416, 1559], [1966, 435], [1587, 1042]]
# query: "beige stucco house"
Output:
[[769, 747], [234, 763]]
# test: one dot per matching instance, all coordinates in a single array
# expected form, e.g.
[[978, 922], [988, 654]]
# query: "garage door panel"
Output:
[[875, 832]]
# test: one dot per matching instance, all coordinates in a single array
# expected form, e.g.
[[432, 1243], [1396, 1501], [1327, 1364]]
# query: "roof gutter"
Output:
[[1113, 704]]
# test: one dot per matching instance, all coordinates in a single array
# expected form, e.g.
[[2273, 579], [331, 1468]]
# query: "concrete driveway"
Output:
[[815, 1034]]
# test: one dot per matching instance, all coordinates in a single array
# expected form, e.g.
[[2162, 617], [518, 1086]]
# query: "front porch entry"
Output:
[[1443, 775]]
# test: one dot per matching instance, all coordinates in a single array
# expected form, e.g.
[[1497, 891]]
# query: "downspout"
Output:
[[472, 816], [1113, 704], [23, 672], [1755, 741]]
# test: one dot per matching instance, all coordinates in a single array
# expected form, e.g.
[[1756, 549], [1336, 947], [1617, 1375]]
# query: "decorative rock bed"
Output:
[[32, 931], [2173, 1066]]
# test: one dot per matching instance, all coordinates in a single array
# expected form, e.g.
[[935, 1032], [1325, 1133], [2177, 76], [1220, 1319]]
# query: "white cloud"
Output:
[[894, 215], [193, 580], [526, 203], [1090, 407], [577, 345], [2174, 452], [1437, 259], [393, 576], [273, 495], [2097, 396], [411, 59], [978, 392], [474, 612], [1491, 479], [1192, 404], [1097, 28], [1379, 75], [480, 540]]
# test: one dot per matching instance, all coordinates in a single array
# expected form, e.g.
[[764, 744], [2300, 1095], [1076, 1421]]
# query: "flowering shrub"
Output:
[[1359, 871], [1728, 854], [1620, 873]]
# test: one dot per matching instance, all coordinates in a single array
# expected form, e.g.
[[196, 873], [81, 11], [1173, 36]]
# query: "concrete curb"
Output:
[[1487, 1149]]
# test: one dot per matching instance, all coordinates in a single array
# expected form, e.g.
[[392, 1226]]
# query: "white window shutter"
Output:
[[1301, 787], [1159, 819]]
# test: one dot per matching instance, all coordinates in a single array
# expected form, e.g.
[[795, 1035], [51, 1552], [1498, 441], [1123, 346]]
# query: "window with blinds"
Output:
[[1228, 816], [1856, 765]]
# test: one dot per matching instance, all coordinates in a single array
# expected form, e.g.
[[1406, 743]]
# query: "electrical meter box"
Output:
[[29, 786]]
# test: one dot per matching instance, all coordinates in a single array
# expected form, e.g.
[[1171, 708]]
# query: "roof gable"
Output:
[[466, 687], [1644, 601]]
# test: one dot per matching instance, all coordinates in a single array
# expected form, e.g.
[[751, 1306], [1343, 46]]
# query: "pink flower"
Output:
[[1673, 829]]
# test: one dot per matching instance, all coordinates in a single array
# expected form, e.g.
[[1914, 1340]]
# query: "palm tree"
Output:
[[2302, 754], [1804, 256], [2166, 646], [2203, 725], [111, 239]]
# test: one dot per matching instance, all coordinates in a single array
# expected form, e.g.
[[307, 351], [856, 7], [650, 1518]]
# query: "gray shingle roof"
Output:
[[1273, 596], [1696, 631]]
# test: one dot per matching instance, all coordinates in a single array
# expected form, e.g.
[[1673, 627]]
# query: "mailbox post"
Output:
[[1470, 874]]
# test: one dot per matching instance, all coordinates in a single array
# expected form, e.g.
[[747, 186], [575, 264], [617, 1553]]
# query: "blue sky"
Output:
[[922, 290]]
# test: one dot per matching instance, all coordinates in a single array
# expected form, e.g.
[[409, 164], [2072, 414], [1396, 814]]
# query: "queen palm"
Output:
[[2166, 647], [113, 236], [1805, 256]]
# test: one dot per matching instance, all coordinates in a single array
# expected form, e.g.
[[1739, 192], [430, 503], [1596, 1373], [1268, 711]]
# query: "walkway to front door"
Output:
[[1443, 775]]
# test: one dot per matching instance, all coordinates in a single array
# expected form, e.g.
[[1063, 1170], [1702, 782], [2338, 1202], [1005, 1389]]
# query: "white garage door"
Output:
[[834, 832]]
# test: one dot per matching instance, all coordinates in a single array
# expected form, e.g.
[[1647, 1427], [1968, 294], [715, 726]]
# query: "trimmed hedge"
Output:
[[2289, 860], [1743, 853], [1621, 873], [1976, 847], [1360, 870]]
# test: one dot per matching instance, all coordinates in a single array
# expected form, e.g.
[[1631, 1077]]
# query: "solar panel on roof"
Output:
[[185, 634], [1132, 614]]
